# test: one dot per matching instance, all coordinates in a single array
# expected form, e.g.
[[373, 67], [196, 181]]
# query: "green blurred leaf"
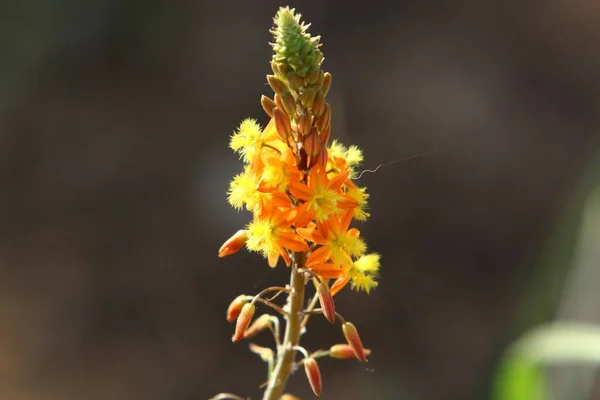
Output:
[[521, 375], [520, 379]]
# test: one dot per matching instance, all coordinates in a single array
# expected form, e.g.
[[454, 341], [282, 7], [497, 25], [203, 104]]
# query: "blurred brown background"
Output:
[[114, 123]]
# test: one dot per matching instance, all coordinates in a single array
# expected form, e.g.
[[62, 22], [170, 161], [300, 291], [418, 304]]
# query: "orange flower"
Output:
[[323, 197], [271, 234], [278, 171], [338, 243]]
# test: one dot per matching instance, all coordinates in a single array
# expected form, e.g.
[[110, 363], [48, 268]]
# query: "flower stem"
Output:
[[286, 352]]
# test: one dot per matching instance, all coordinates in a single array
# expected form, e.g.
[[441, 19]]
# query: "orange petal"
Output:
[[300, 191], [291, 241], [318, 178], [327, 270], [346, 219], [337, 182], [318, 256], [339, 284], [265, 186], [280, 199], [305, 215]]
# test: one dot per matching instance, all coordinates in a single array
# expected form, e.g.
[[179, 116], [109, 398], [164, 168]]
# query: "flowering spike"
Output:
[[234, 243], [344, 352], [234, 309], [313, 374], [354, 341], [326, 301], [299, 188], [243, 321]]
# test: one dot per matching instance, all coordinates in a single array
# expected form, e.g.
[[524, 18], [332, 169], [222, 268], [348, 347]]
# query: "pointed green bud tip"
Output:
[[294, 47]]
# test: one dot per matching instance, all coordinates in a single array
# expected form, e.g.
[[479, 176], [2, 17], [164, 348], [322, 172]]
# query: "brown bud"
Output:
[[289, 104], [318, 107], [326, 83], [344, 352], [322, 157], [321, 79], [276, 84], [294, 81], [260, 324], [278, 101], [234, 243], [234, 309], [267, 105], [313, 76], [243, 321], [325, 135], [305, 123], [323, 121], [325, 299], [282, 123], [313, 374], [312, 145], [307, 97], [351, 335]]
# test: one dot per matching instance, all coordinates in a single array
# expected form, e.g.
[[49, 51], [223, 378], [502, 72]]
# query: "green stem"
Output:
[[286, 353]]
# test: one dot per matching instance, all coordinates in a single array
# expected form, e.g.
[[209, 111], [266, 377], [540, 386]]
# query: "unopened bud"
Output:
[[288, 102], [263, 322], [275, 68], [282, 123], [312, 143], [276, 84], [321, 79], [294, 81], [326, 83], [305, 123], [243, 321], [318, 107], [267, 105], [325, 135], [344, 352], [354, 341], [234, 309], [234, 243], [313, 75], [307, 97], [325, 299], [323, 121], [313, 374], [278, 101], [322, 157]]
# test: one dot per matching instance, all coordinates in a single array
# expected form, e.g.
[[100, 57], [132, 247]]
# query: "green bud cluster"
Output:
[[295, 49]]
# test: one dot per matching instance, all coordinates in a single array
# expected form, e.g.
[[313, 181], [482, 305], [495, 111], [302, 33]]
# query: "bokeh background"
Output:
[[115, 117]]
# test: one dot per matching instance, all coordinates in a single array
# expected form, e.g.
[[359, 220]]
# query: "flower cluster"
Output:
[[299, 187]]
